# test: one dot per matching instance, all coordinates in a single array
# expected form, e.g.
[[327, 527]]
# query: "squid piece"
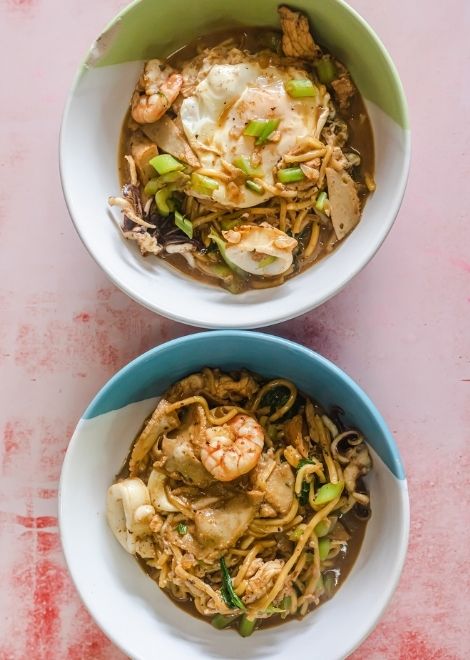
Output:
[[156, 488], [129, 514], [161, 422], [260, 249]]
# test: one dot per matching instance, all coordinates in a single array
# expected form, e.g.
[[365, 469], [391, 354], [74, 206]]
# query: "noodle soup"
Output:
[[242, 499], [245, 157]]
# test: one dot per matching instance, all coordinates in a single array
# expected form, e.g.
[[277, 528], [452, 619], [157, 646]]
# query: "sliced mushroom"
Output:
[[260, 249]]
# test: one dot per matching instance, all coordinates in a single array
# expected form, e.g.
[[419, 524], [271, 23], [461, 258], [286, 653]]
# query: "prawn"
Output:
[[232, 449], [156, 90]]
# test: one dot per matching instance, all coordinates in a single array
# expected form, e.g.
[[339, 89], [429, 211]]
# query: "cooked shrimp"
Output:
[[232, 449], [156, 90]]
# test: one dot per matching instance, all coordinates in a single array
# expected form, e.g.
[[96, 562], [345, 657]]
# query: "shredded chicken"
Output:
[[261, 577], [296, 38], [147, 243]]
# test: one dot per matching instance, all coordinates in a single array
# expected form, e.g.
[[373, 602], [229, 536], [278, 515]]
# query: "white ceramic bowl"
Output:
[[89, 142], [127, 604]]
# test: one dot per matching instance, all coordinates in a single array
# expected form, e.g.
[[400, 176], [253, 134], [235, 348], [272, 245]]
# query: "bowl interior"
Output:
[[90, 135], [142, 617]]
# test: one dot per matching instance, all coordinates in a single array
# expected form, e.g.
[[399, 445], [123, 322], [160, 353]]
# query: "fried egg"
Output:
[[222, 105]]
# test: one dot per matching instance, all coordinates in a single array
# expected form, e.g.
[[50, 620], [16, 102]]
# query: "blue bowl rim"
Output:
[[96, 406]]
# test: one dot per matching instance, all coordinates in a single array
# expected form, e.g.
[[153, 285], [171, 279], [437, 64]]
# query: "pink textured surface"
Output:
[[401, 329]]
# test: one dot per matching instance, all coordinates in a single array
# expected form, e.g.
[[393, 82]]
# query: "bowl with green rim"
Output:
[[90, 134]]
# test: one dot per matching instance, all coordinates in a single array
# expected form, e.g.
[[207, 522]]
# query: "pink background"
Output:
[[401, 329]]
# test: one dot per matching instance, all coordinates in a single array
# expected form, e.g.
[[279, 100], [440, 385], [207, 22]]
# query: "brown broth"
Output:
[[360, 139]]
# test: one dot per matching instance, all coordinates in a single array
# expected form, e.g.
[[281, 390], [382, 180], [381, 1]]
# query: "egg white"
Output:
[[226, 100]]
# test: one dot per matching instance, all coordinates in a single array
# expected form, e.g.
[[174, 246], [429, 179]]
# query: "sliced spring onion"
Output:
[[321, 199], [220, 621], [255, 127], [203, 184], [322, 528], [324, 546], [290, 175], [151, 187], [227, 591], [326, 70], [304, 493], [328, 492], [162, 200], [222, 249], [267, 261], [243, 163], [184, 224], [270, 127], [230, 224], [255, 187], [165, 163], [181, 528], [300, 88], [246, 627]]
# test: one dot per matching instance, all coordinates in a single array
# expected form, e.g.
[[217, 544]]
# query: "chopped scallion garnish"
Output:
[[243, 163], [321, 199], [186, 226], [165, 163], [267, 261], [326, 70], [300, 88], [255, 187], [290, 175], [328, 492], [203, 184], [181, 528]]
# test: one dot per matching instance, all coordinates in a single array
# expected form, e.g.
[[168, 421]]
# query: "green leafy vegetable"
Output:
[[300, 88], [165, 163], [304, 492], [228, 594], [184, 224], [181, 528], [275, 398]]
